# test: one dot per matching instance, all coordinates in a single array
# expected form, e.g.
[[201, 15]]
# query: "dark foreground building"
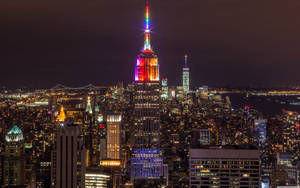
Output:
[[68, 157], [226, 168]]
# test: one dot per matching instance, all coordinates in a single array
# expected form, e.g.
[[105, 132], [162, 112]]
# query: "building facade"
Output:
[[68, 157], [113, 136], [226, 168]]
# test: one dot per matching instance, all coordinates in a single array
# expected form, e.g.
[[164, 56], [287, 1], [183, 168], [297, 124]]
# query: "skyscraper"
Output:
[[260, 131], [68, 157], [113, 136], [186, 76], [164, 88], [14, 159], [146, 161]]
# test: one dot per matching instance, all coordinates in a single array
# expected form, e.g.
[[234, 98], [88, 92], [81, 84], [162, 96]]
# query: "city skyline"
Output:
[[163, 127], [46, 43]]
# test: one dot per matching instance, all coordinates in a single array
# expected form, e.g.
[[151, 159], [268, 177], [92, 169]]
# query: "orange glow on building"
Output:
[[62, 116]]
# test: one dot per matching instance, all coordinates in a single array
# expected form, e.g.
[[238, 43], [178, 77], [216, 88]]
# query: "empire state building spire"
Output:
[[147, 45], [147, 67]]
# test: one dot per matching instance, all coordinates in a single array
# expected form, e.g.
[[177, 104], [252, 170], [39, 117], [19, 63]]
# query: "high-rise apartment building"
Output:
[[186, 76], [226, 168], [146, 161], [113, 136], [68, 157]]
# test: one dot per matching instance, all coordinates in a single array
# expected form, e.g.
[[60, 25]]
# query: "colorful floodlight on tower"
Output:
[[147, 68], [185, 61], [147, 45]]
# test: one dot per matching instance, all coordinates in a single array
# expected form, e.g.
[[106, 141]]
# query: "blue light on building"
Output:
[[260, 130], [146, 163]]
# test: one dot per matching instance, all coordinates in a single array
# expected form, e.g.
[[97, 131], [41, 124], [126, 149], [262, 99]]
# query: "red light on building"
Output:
[[101, 126]]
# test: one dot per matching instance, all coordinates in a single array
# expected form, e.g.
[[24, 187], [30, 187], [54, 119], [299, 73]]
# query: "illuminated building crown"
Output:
[[147, 67], [62, 116], [14, 135], [88, 106]]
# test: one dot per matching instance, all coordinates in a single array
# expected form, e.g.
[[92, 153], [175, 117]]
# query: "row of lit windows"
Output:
[[225, 162], [225, 166]]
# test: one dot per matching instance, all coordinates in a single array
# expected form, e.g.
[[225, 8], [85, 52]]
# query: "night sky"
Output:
[[77, 42]]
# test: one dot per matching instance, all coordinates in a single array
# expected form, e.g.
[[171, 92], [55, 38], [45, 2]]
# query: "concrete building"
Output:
[[226, 168]]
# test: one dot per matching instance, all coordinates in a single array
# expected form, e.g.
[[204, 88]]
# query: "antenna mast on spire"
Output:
[[185, 60], [147, 45]]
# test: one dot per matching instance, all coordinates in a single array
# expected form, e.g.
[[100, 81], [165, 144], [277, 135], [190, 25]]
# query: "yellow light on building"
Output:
[[62, 116], [110, 163], [205, 170]]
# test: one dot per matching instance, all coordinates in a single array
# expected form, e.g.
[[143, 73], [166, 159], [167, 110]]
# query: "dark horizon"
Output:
[[229, 43]]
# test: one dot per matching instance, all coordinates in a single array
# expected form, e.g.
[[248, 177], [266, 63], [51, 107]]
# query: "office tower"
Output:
[[146, 161], [103, 141], [291, 134], [68, 157], [186, 76], [227, 168], [13, 159], [260, 131], [113, 136], [164, 88]]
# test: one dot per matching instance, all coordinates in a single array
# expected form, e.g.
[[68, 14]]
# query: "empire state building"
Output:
[[146, 161]]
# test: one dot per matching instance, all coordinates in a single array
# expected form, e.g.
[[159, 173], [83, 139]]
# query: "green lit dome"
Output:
[[14, 135]]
